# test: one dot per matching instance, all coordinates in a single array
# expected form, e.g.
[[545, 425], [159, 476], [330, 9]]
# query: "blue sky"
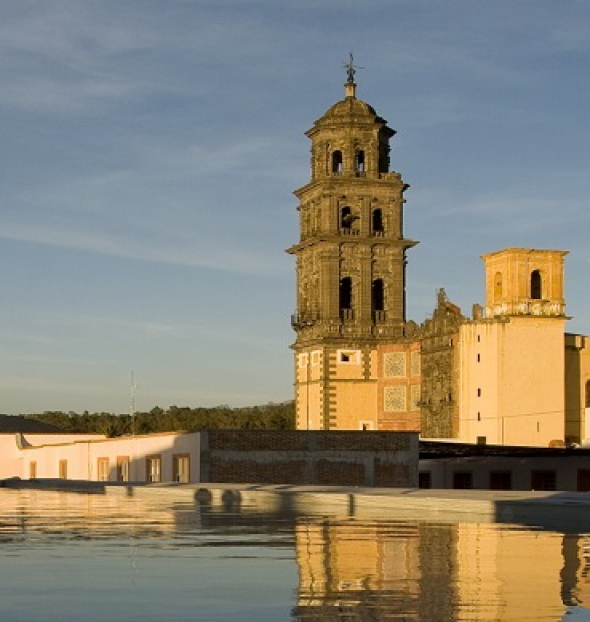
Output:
[[150, 149]]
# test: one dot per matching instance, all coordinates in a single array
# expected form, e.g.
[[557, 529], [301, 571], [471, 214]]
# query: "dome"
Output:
[[349, 111]]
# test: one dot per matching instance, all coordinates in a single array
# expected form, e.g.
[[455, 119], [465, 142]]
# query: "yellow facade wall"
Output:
[[336, 388], [512, 381]]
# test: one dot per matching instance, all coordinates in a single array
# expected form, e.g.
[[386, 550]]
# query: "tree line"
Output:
[[271, 416]]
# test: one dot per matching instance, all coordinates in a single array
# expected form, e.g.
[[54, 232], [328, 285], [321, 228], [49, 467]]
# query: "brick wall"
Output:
[[388, 459]]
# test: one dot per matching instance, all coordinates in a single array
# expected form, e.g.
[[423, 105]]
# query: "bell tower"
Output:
[[350, 266]]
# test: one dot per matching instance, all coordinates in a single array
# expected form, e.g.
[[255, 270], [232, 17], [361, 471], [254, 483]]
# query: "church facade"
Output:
[[508, 375]]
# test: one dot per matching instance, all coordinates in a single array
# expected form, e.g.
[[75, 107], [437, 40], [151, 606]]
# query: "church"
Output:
[[509, 374]]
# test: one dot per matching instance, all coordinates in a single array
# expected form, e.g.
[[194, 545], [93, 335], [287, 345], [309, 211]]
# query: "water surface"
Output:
[[68, 556]]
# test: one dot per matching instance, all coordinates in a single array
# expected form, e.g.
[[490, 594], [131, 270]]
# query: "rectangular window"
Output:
[[584, 480], [349, 356], [122, 468], [543, 480], [153, 469], [103, 469], [500, 480], [424, 479], [63, 469], [462, 480], [181, 471], [32, 470]]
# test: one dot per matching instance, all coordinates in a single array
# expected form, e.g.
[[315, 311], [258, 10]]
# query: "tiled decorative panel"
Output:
[[394, 399], [394, 364]]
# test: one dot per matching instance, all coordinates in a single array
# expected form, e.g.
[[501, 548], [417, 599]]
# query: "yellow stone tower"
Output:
[[512, 358], [350, 267]]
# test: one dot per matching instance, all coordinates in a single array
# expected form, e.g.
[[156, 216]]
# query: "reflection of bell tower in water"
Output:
[[350, 266]]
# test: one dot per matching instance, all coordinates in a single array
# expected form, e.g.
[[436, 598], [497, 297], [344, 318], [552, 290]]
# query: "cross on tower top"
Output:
[[350, 71]]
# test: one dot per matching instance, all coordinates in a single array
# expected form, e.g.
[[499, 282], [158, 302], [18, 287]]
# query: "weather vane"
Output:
[[351, 68]]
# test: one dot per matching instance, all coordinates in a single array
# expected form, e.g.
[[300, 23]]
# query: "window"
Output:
[[63, 469], [462, 480], [346, 296], [536, 285], [424, 479], [498, 285], [360, 162], [584, 480], [337, 162], [478, 358], [500, 480], [181, 471], [377, 300], [153, 469], [479, 393], [103, 470], [349, 356], [377, 222], [32, 470], [123, 464], [543, 480], [346, 218], [587, 393]]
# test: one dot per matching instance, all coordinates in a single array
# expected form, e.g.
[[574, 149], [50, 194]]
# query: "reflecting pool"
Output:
[[68, 556]]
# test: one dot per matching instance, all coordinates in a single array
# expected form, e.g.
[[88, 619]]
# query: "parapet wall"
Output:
[[347, 458]]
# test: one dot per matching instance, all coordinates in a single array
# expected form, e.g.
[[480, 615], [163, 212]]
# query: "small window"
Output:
[[583, 480], [543, 480], [500, 480], [123, 468], [63, 469], [349, 356], [153, 469], [478, 392], [32, 470], [498, 286], [478, 358], [103, 469], [587, 393], [424, 479], [462, 480]]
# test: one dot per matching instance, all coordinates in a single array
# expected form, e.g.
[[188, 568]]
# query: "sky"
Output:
[[150, 149]]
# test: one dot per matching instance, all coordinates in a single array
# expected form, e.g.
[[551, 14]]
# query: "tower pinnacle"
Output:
[[350, 86]]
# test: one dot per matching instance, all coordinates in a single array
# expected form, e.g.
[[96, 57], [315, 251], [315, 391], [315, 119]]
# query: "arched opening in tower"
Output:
[[346, 297], [377, 221], [536, 285], [360, 162], [337, 162], [377, 299], [346, 218]]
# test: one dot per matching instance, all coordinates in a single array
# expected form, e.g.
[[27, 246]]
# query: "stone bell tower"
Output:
[[350, 266]]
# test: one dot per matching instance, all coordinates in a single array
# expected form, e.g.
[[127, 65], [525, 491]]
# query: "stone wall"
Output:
[[384, 459]]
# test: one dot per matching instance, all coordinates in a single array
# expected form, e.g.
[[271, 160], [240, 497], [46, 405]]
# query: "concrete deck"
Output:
[[559, 510]]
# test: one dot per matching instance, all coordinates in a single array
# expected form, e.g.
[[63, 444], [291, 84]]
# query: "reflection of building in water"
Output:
[[423, 571], [369, 570]]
